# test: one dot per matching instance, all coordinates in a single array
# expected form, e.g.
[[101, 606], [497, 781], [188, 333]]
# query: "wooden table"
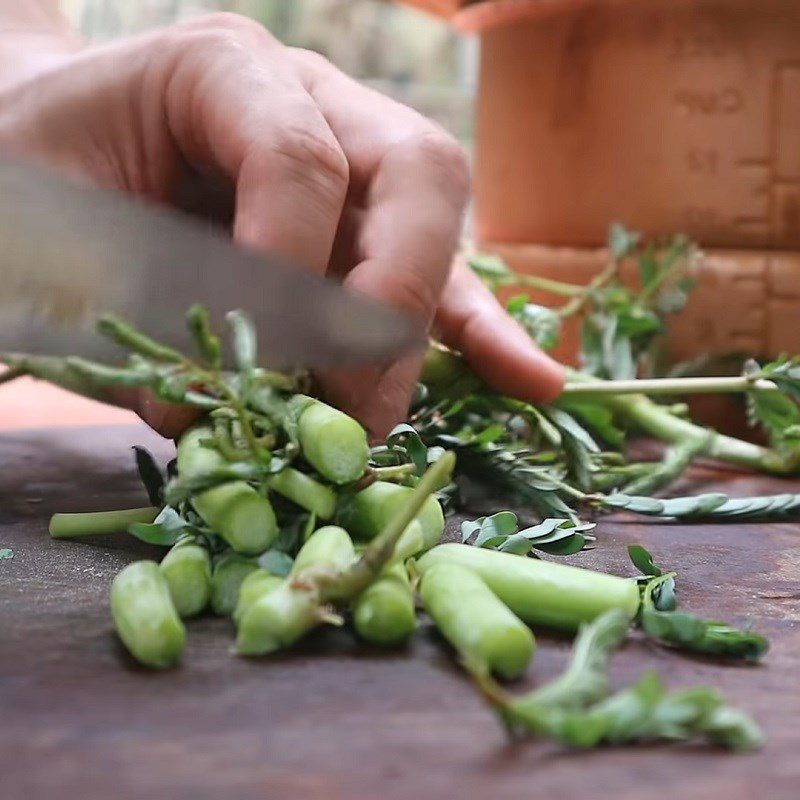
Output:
[[336, 719]]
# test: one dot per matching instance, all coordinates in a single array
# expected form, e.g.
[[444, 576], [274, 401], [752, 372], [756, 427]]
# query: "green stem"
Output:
[[657, 421], [675, 462], [397, 472], [11, 374], [349, 584], [53, 370], [549, 285], [591, 387], [578, 303], [67, 526], [674, 262]]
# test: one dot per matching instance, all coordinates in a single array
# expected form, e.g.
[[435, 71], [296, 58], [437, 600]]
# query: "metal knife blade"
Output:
[[69, 254]]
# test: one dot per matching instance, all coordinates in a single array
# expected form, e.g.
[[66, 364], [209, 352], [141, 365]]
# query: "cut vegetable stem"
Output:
[[98, 523]]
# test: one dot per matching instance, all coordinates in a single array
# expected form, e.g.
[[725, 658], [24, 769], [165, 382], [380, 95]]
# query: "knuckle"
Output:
[[313, 153], [228, 21], [412, 290], [220, 32], [310, 58], [439, 152]]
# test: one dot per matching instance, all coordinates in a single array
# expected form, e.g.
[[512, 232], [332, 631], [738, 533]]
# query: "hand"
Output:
[[325, 172]]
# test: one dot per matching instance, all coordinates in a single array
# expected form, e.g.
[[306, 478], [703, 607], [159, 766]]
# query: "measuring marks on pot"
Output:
[[745, 186], [778, 175]]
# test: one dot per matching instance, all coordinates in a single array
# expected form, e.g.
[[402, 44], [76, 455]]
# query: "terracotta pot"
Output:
[[671, 115], [668, 115], [442, 8], [743, 301]]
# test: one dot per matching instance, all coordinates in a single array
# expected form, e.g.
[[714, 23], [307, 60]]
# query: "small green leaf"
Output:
[[276, 562], [543, 324], [598, 418], [692, 506], [642, 560], [245, 342], [621, 241], [150, 474], [501, 524], [207, 342], [407, 436], [492, 270], [6, 552], [638, 505], [154, 534]]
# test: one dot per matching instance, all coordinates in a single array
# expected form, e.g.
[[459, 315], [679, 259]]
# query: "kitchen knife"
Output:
[[69, 254]]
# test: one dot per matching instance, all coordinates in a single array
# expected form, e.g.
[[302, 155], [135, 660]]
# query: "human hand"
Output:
[[329, 174]]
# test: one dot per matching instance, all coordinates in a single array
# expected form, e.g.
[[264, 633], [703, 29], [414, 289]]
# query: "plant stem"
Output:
[[577, 304], [549, 285], [665, 386], [378, 553], [67, 526], [659, 422], [397, 472], [53, 370]]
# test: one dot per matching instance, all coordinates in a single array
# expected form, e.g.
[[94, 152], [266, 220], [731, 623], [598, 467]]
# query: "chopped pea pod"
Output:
[[475, 621], [234, 510], [333, 443], [368, 510], [540, 592], [330, 546], [256, 584], [278, 618], [305, 492], [145, 617], [384, 613], [281, 615], [187, 569]]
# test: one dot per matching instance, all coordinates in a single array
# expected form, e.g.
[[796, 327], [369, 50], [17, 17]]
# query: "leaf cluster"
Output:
[[576, 707], [660, 621], [554, 536]]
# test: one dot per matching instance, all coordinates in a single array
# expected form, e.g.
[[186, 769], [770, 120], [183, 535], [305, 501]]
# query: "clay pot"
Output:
[[667, 115], [671, 115]]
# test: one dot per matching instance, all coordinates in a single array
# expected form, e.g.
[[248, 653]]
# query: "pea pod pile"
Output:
[[278, 514]]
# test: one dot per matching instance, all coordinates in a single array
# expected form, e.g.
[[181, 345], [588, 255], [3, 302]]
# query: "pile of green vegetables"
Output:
[[277, 513]]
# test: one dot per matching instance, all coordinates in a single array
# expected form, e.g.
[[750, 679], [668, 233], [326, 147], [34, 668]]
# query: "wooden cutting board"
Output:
[[336, 719]]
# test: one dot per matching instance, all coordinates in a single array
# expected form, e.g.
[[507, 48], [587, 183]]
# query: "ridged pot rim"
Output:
[[482, 16]]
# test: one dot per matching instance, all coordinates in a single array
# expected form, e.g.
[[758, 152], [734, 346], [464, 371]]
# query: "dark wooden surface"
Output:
[[336, 719]]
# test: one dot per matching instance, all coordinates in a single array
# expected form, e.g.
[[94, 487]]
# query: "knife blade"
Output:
[[70, 253]]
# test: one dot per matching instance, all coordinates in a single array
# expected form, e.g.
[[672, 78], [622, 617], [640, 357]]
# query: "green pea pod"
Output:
[[333, 443], [226, 580], [475, 621], [330, 546], [282, 615], [256, 584], [278, 618], [145, 617], [444, 372], [234, 510], [384, 613], [540, 592], [187, 569], [305, 492], [368, 511]]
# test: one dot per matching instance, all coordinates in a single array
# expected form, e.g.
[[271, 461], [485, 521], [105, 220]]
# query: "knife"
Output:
[[69, 254]]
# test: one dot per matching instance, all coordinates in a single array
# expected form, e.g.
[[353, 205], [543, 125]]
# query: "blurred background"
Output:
[[404, 53]]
